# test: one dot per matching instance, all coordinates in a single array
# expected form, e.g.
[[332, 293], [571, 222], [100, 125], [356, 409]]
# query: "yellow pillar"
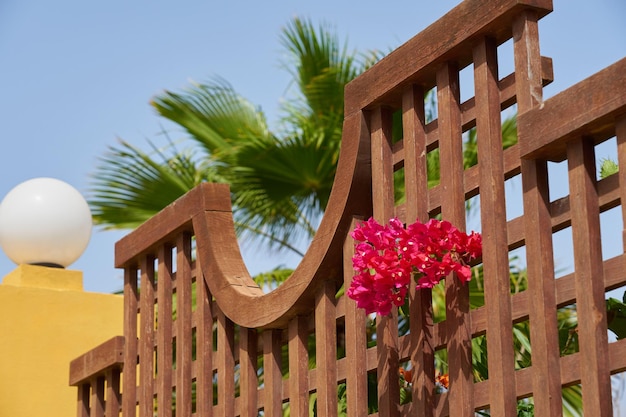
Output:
[[46, 320]]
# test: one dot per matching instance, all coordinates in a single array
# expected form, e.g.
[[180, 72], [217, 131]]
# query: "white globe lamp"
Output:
[[44, 221]]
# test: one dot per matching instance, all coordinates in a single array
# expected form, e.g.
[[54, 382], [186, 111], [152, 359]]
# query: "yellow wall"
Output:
[[46, 320]]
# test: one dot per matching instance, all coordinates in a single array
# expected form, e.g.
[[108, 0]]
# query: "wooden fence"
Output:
[[201, 338]]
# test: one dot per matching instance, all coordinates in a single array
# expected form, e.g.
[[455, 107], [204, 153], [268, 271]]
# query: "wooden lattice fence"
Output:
[[201, 338]]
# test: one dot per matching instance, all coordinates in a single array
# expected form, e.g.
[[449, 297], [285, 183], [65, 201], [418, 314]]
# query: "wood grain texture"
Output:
[[229, 279], [226, 366], [590, 303], [146, 337], [588, 108], [97, 397], [541, 303], [249, 383], [298, 366], [131, 298], [113, 393], [383, 209], [528, 61], [184, 342], [620, 133], [420, 302], [109, 354], [326, 351], [174, 218], [444, 40], [356, 341], [164, 332], [503, 401], [459, 347], [272, 364], [205, 356], [83, 399]]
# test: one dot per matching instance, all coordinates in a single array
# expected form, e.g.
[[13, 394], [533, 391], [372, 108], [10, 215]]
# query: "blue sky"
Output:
[[76, 75]]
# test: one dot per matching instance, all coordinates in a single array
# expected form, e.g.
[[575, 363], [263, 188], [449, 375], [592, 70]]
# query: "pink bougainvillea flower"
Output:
[[388, 256]]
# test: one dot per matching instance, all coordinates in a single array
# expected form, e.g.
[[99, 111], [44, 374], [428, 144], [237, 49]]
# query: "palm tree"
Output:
[[280, 182]]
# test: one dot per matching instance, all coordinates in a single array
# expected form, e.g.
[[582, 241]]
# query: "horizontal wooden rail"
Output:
[[97, 361], [97, 374], [444, 40], [589, 108], [507, 98], [172, 219]]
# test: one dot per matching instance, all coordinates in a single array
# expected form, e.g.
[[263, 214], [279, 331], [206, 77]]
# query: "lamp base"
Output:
[[45, 277]]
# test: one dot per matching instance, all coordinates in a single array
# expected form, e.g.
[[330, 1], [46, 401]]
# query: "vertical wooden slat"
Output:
[[590, 302], [620, 133], [414, 140], [183, 325], [164, 332], [416, 185], [383, 206], [326, 350], [356, 341], [450, 144], [382, 164], [529, 85], [113, 393], [204, 346], [249, 384], [503, 401], [544, 334], [461, 395], [546, 372], [298, 366], [146, 340], [129, 398], [273, 386], [84, 393], [225, 365], [97, 397]]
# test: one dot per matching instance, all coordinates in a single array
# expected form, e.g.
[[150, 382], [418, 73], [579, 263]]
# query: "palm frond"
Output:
[[321, 66], [280, 185], [608, 167], [470, 147], [130, 185], [272, 279], [215, 116]]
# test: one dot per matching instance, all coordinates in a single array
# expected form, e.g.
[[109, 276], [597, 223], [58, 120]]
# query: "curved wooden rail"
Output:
[[206, 212], [227, 276]]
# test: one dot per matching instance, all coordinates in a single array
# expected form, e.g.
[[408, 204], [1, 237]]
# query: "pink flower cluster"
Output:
[[387, 257]]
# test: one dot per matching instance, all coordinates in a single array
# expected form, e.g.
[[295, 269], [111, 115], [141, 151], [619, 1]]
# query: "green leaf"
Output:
[[616, 317], [131, 186], [608, 167]]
